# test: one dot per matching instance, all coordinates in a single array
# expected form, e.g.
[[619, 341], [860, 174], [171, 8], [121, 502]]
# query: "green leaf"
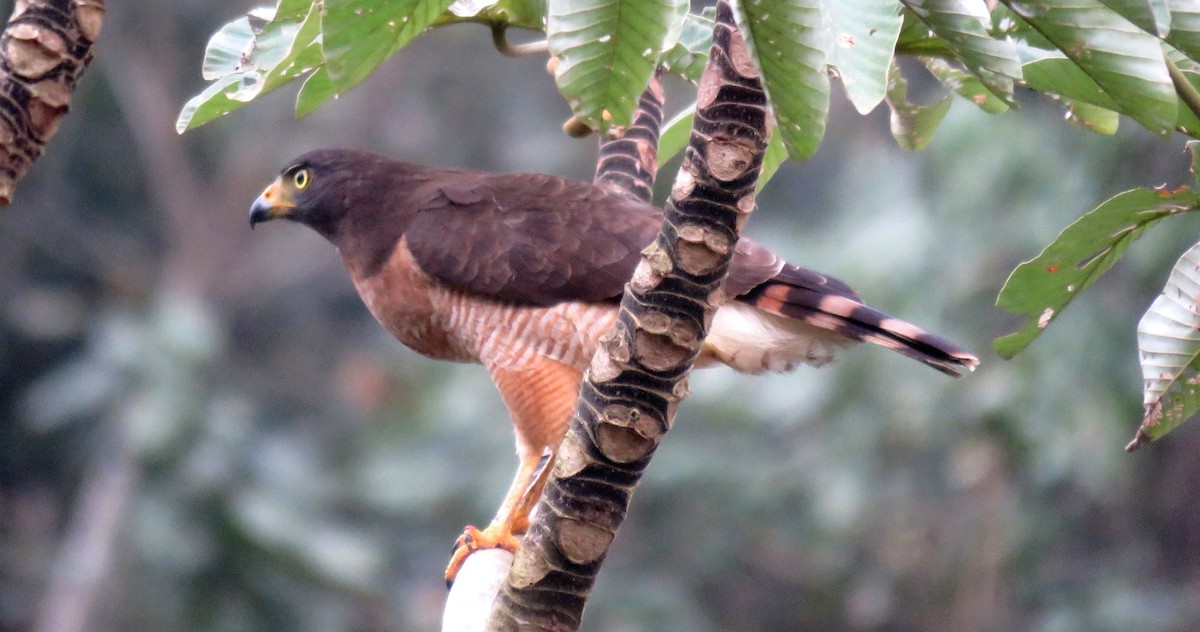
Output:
[[1082, 253], [965, 85], [675, 134], [689, 55], [1152, 16], [278, 51], [317, 89], [785, 38], [1086, 104], [1056, 75], [1124, 61], [359, 34], [963, 25], [211, 104], [223, 55], [292, 10], [607, 52], [861, 39], [913, 126], [1169, 350], [1185, 27], [529, 14], [916, 38], [1092, 118], [773, 158]]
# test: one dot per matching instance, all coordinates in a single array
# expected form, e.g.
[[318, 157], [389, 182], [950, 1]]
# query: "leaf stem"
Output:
[[1184, 88], [500, 41]]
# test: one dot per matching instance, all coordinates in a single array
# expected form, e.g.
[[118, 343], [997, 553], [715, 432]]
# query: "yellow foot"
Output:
[[495, 536]]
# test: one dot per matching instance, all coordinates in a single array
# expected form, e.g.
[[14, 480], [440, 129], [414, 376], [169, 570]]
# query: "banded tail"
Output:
[[799, 316]]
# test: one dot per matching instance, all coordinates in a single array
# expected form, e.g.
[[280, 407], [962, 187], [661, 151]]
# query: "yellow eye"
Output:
[[301, 178]]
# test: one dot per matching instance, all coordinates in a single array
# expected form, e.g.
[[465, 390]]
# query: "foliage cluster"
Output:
[[1098, 59]]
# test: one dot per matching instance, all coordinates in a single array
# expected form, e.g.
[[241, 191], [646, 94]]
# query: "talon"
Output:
[[511, 521], [495, 536]]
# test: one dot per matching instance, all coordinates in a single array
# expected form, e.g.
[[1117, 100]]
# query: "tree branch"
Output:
[[44, 50], [630, 162], [639, 375], [84, 561]]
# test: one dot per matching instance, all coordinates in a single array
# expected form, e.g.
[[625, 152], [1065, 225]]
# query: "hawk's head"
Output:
[[319, 189]]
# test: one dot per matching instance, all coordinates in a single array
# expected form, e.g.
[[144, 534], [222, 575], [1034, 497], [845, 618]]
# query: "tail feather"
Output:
[[842, 314]]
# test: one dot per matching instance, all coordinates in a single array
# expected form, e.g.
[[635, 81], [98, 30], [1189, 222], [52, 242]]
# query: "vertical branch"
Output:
[[44, 49], [639, 375], [85, 558], [630, 162]]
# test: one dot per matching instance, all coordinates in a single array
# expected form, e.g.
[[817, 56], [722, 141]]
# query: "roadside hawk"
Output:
[[523, 272]]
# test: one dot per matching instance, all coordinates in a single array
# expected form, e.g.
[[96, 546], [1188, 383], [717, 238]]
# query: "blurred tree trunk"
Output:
[[85, 557], [43, 52], [639, 374]]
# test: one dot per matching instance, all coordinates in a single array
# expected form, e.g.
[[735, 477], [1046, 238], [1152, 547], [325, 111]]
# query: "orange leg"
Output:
[[540, 397], [512, 519]]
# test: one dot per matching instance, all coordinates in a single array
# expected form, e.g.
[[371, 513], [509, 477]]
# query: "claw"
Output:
[[495, 536], [511, 521]]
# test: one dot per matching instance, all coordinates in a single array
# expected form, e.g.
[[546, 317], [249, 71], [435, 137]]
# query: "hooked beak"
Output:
[[275, 202]]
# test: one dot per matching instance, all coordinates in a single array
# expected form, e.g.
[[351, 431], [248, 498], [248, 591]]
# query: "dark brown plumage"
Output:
[[522, 273]]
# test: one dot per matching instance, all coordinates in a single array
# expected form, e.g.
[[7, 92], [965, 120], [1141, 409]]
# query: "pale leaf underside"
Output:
[[1169, 349]]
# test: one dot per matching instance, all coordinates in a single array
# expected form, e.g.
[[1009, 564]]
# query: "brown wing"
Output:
[[530, 239]]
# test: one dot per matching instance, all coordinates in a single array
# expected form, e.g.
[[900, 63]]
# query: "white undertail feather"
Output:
[[750, 340]]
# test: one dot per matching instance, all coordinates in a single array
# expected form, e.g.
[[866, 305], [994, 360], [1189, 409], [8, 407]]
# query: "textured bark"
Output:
[[45, 48], [628, 163], [639, 375], [631, 161]]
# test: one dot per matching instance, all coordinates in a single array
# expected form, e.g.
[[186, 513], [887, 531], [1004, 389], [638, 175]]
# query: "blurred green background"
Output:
[[201, 428]]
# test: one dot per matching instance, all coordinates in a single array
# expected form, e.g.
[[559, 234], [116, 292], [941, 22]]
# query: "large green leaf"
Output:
[[1169, 349], [963, 25], [1052, 73], [785, 38], [1125, 61], [1081, 254], [861, 39], [359, 34], [248, 57], [607, 51]]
